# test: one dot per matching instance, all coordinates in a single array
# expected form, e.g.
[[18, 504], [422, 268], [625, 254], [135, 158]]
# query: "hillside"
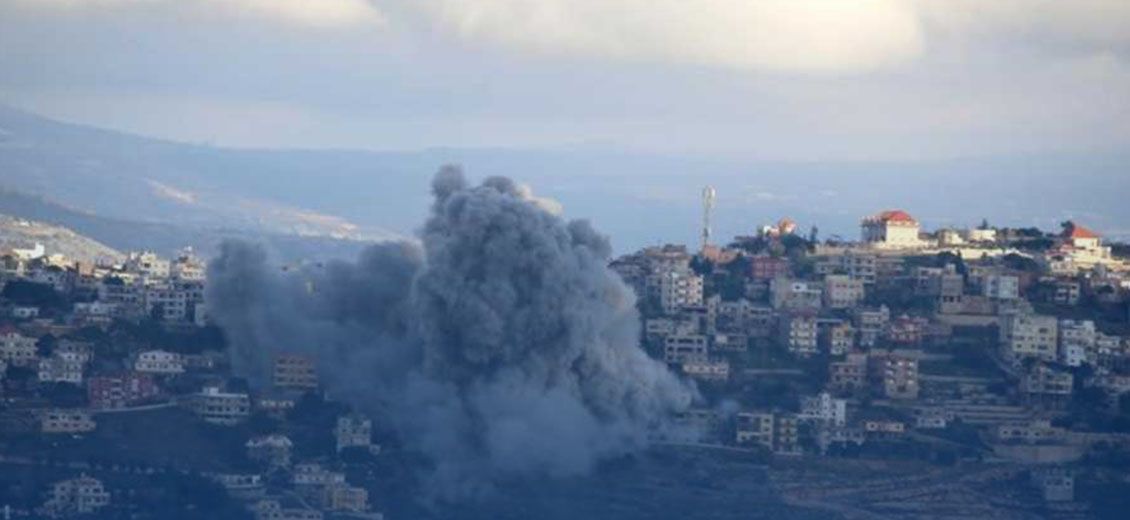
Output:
[[22, 233]]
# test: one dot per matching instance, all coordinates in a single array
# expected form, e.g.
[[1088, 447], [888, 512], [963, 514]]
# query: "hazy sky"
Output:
[[780, 79]]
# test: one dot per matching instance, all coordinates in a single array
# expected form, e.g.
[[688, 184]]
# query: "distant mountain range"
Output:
[[128, 191]]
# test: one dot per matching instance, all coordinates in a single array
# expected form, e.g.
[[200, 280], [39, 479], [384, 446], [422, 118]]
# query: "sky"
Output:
[[795, 80]]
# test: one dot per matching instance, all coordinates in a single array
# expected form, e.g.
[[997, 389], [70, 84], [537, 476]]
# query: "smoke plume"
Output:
[[501, 346]]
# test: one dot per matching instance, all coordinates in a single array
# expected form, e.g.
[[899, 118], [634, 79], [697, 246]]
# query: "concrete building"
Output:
[[707, 370], [1043, 381], [274, 510], [895, 374], [1055, 484], [799, 333], [219, 407], [765, 267], [66, 421], [353, 431], [1029, 336], [776, 432], [838, 339], [825, 409], [62, 367], [676, 288], [159, 362], [786, 294], [1000, 287], [295, 372], [78, 496], [16, 349], [841, 291], [892, 229], [849, 375], [871, 324], [120, 391], [681, 348]]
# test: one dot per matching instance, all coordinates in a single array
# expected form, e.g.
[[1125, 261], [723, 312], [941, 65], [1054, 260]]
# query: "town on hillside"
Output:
[[997, 357]]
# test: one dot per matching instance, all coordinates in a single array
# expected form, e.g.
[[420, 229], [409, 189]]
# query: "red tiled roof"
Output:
[[1074, 230], [895, 215]]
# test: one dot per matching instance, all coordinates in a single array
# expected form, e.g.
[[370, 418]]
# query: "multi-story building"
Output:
[[295, 372], [159, 362], [270, 450], [871, 324], [849, 375], [347, 498], [16, 349], [765, 267], [825, 409], [794, 295], [676, 288], [707, 369], [1047, 382], [892, 229], [799, 333], [680, 348], [274, 510], [219, 407], [147, 264], [841, 291], [895, 374], [838, 338], [755, 428], [1000, 287], [66, 421], [1029, 336], [62, 367], [1066, 292], [78, 496], [906, 330], [120, 391], [353, 431]]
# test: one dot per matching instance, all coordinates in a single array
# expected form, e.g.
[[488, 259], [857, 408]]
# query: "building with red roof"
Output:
[[892, 229]]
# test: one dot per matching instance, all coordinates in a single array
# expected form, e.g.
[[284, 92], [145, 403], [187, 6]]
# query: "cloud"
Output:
[[319, 14], [788, 35]]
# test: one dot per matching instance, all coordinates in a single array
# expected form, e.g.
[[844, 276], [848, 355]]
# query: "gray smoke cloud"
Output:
[[500, 346]]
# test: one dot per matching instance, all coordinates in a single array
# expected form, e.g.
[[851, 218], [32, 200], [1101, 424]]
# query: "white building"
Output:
[[800, 334], [892, 229], [825, 409], [1001, 287], [218, 407], [677, 288], [707, 370], [159, 362], [1029, 336], [353, 431]]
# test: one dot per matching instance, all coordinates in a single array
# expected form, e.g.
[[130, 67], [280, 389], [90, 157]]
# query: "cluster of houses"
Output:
[[864, 321], [51, 305]]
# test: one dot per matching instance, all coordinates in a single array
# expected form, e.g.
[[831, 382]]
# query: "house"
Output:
[[891, 229], [159, 362], [78, 496]]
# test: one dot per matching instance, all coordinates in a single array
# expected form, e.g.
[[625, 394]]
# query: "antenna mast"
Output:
[[708, 195]]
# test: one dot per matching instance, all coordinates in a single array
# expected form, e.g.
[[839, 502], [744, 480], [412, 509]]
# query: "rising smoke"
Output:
[[499, 347]]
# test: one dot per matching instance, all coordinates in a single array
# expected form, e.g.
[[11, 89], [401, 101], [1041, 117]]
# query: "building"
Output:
[[676, 288], [159, 362], [896, 375], [353, 431], [270, 450], [1043, 381], [274, 510], [343, 497], [849, 375], [838, 338], [871, 324], [16, 349], [755, 428], [681, 348], [825, 409], [707, 370], [799, 334], [907, 331], [62, 367], [218, 407], [1029, 336], [794, 295], [1000, 287], [1054, 483], [78, 496], [892, 229], [1082, 247], [841, 291], [121, 391], [764, 267], [295, 372], [66, 421]]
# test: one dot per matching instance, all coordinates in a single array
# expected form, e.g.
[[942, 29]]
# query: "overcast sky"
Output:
[[775, 79]]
